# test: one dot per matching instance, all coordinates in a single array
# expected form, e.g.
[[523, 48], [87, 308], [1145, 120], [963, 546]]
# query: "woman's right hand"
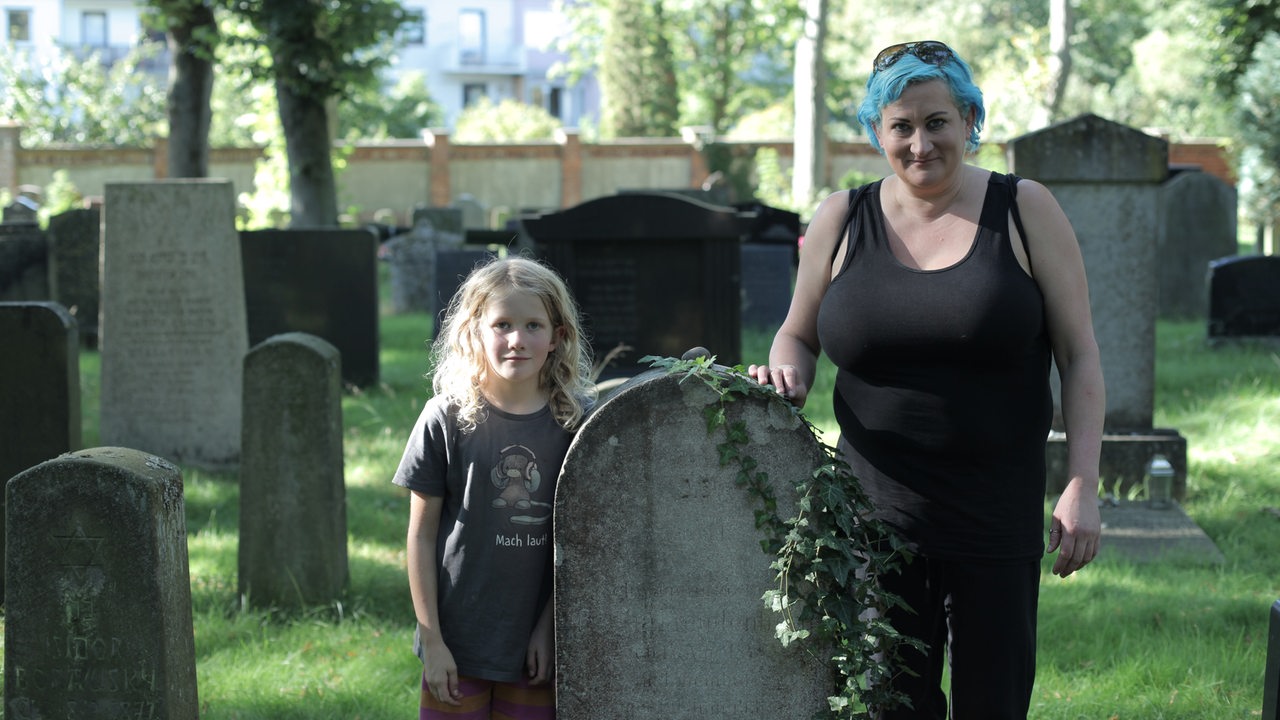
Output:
[[441, 671], [784, 378]]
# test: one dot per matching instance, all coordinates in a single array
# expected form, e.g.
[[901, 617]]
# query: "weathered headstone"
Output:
[[39, 388], [442, 219], [75, 247], [320, 281], [173, 333], [1197, 226], [659, 273], [98, 604], [1244, 297], [293, 514], [411, 259], [660, 571]]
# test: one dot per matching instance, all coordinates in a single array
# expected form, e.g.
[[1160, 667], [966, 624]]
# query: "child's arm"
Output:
[[541, 655], [424, 522]]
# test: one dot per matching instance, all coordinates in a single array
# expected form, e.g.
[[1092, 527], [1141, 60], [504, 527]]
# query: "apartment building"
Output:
[[467, 49]]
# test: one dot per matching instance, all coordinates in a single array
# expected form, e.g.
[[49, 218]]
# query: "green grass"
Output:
[[1116, 641]]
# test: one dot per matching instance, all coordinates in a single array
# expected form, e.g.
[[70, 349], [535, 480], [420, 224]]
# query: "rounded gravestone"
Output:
[[660, 572]]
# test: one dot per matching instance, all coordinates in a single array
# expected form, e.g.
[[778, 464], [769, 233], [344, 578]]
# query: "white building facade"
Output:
[[467, 49]]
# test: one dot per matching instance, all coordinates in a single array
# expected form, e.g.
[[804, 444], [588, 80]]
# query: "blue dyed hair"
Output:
[[886, 86]]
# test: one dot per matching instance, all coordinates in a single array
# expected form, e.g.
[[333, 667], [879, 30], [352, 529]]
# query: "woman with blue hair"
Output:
[[942, 293]]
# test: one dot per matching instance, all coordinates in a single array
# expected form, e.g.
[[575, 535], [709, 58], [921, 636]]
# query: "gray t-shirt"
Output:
[[494, 547]]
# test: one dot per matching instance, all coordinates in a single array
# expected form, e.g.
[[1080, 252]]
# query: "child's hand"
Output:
[[540, 657], [441, 671]]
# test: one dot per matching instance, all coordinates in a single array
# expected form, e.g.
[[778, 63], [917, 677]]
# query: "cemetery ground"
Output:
[[1118, 640]]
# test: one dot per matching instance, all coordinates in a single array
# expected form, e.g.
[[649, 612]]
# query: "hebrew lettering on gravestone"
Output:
[[98, 605]]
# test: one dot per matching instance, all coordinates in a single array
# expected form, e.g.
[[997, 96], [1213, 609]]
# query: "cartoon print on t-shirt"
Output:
[[516, 474]]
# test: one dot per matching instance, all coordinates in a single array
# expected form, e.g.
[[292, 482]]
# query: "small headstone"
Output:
[[22, 210], [293, 515], [442, 219], [98, 604], [1244, 297], [411, 259], [474, 214], [75, 247], [656, 272], [173, 332], [660, 572], [323, 282], [40, 391]]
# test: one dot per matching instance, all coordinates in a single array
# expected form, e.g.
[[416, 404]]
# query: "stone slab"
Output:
[[1138, 533]]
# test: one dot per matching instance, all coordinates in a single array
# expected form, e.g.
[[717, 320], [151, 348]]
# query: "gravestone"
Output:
[[442, 219], [1271, 682], [319, 281], [411, 260], [659, 571], [173, 333], [293, 515], [39, 388], [98, 604], [452, 266], [75, 247], [659, 273], [24, 261], [21, 210], [1107, 178], [1197, 226], [766, 285], [1244, 297]]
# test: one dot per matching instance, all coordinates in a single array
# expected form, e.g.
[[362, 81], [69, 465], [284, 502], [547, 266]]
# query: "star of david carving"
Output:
[[80, 550]]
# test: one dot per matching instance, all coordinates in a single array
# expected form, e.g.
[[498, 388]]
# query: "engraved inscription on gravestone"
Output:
[[98, 610]]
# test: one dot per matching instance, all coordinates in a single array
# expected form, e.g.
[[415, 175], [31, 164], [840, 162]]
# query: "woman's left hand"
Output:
[[1076, 530]]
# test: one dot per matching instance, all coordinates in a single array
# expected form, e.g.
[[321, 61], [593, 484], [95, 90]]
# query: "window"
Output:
[[19, 25], [414, 29], [93, 28], [473, 92], [471, 37]]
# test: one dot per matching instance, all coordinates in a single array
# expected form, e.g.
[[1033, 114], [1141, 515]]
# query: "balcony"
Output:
[[492, 60]]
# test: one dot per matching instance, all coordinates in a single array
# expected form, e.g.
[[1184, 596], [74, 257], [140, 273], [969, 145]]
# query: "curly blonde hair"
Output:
[[460, 367]]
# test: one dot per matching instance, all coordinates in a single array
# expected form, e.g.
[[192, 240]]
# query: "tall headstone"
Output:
[[98, 607], [1271, 681], [659, 273], [1197, 226], [173, 334], [319, 281], [75, 247], [39, 388], [411, 261], [293, 514], [660, 572], [1107, 179]]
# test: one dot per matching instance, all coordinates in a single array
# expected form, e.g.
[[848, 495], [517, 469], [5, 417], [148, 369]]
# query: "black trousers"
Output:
[[980, 616]]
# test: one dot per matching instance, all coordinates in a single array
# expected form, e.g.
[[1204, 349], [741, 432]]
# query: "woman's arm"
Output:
[[793, 358], [424, 524], [1059, 269]]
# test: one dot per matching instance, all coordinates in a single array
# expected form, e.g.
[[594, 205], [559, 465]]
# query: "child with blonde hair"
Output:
[[512, 382]]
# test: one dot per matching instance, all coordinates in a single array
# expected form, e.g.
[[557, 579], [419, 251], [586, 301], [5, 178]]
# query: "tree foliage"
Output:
[[637, 72], [81, 100], [508, 121]]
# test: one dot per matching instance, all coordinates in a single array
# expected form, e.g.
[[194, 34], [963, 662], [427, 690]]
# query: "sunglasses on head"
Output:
[[929, 51]]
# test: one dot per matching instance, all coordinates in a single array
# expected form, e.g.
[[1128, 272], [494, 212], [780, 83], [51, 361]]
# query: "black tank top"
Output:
[[942, 388]]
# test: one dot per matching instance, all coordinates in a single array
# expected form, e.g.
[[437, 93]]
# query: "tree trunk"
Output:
[[313, 194], [1061, 25], [190, 86], [810, 105]]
